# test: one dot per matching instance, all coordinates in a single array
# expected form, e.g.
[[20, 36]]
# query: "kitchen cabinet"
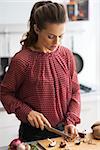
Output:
[[14, 43], [10, 36], [9, 45], [3, 45]]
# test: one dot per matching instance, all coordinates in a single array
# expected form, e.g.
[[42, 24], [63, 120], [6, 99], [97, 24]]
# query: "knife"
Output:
[[56, 131]]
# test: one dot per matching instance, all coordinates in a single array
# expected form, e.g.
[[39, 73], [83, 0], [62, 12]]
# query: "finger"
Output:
[[70, 131], [67, 131], [31, 121], [73, 132], [36, 122], [76, 132], [41, 124], [45, 121]]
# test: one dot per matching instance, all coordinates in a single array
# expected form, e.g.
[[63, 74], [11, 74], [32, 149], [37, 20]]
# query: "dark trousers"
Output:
[[27, 133]]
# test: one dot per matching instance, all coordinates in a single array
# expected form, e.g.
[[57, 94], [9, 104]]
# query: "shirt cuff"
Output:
[[72, 119]]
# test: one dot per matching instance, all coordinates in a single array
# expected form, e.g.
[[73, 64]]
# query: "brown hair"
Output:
[[43, 12]]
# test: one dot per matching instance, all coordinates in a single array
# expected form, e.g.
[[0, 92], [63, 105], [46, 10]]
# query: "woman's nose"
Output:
[[56, 41]]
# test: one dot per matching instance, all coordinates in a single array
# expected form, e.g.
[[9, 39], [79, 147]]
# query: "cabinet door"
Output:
[[14, 44], [3, 46], [9, 44]]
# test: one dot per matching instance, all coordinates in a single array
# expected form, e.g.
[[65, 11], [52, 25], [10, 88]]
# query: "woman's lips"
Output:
[[53, 46]]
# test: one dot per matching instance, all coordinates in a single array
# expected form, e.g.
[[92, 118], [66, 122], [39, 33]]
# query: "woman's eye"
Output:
[[60, 36], [51, 36]]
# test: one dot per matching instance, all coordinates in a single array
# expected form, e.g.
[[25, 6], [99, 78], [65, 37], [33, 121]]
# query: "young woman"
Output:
[[41, 85]]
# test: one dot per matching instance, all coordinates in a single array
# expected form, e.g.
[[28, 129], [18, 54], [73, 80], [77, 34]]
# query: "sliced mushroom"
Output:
[[62, 144], [77, 141], [52, 143]]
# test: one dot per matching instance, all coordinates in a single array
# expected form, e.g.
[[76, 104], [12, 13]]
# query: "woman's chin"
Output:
[[53, 48]]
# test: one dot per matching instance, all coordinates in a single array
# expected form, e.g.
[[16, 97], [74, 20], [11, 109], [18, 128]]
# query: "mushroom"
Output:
[[77, 141], [52, 143], [62, 144], [97, 123], [96, 130]]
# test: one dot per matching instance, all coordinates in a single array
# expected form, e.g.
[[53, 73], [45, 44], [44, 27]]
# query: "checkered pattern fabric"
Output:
[[44, 82]]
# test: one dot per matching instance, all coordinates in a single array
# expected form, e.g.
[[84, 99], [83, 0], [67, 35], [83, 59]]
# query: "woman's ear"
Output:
[[36, 29]]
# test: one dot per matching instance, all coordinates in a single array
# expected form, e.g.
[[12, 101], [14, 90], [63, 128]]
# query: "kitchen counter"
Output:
[[93, 145]]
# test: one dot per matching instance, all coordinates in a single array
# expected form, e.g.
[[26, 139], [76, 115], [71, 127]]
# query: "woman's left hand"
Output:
[[71, 130]]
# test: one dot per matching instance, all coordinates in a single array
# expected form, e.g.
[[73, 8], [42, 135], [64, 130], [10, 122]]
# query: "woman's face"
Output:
[[50, 37]]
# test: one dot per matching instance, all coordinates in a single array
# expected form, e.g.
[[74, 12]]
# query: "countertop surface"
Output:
[[89, 144]]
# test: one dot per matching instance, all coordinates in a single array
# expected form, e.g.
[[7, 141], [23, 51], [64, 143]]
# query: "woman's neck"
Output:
[[38, 48]]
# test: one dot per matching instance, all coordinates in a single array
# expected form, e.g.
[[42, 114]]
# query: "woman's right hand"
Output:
[[37, 120]]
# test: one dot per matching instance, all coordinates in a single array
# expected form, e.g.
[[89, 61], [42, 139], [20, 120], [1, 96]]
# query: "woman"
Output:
[[41, 85]]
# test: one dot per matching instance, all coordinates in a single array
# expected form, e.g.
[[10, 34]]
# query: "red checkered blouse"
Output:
[[44, 82]]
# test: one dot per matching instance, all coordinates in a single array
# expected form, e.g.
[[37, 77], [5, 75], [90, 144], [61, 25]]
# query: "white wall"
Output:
[[98, 43], [17, 11], [12, 12]]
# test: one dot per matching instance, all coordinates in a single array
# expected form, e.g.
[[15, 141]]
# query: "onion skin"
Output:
[[21, 146], [13, 145], [16, 144]]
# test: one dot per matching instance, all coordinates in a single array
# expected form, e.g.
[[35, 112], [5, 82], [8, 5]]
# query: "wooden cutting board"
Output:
[[71, 145]]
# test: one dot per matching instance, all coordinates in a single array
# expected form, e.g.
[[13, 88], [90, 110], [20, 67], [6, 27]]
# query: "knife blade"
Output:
[[56, 131]]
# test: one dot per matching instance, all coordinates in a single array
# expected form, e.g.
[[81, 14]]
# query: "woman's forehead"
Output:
[[56, 29]]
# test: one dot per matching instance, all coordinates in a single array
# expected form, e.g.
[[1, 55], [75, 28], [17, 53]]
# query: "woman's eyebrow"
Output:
[[55, 35]]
